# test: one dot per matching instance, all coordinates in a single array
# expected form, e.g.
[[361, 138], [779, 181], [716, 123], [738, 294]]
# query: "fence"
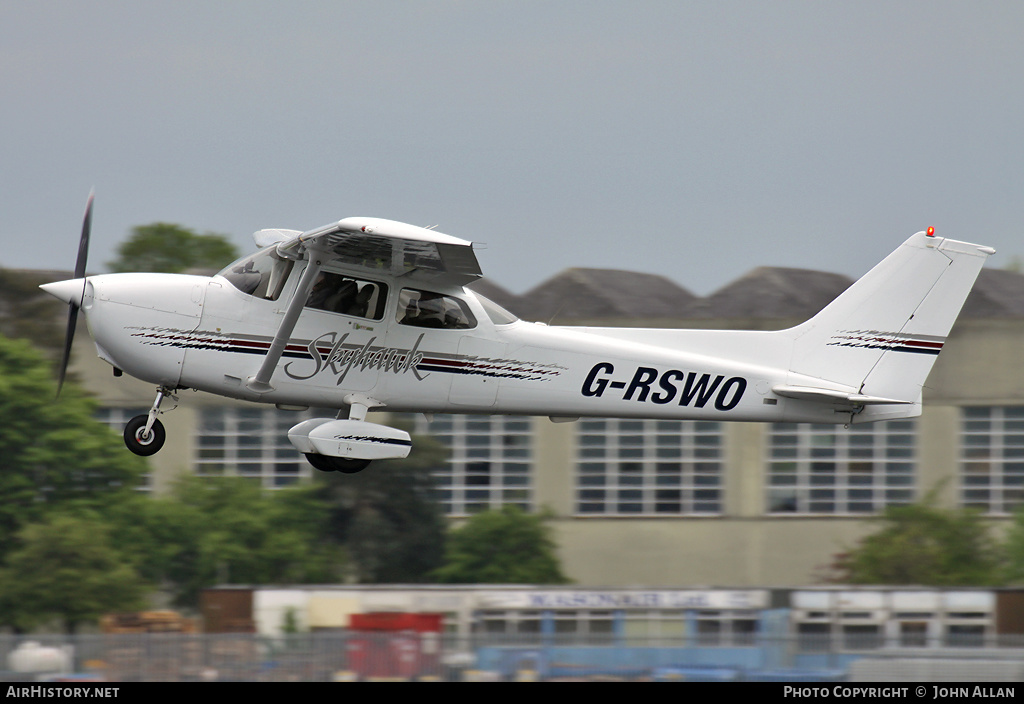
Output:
[[350, 656]]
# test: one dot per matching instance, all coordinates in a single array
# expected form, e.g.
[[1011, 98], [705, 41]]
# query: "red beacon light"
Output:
[[930, 232]]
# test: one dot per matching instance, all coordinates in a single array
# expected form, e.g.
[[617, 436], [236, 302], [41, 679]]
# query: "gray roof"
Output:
[[772, 292], [581, 294], [765, 293], [996, 294]]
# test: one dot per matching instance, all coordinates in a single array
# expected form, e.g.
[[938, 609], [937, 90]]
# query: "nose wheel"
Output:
[[143, 442], [145, 435]]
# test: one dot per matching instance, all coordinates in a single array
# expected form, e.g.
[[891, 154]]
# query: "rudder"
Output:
[[882, 335]]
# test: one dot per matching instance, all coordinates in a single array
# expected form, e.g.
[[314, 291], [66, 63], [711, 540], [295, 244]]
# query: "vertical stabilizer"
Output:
[[883, 334]]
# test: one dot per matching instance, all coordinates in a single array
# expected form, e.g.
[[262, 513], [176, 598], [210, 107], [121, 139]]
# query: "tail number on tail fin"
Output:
[[648, 385]]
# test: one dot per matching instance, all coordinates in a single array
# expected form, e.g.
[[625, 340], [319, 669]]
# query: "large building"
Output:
[[677, 503]]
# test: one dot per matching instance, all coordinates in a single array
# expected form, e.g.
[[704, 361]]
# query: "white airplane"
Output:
[[365, 314]]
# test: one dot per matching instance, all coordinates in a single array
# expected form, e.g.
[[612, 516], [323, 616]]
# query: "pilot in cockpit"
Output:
[[431, 312], [320, 293], [341, 299]]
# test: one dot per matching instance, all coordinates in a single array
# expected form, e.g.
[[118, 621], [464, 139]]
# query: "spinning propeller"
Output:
[[75, 303]]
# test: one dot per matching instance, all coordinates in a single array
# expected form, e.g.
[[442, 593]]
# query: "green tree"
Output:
[[219, 530], [166, 247], [54, 456], [1014, 547], [65, 569], [926, 545], [387, 517], [159, 536], [501, 547], [29, 313], [382, 525]]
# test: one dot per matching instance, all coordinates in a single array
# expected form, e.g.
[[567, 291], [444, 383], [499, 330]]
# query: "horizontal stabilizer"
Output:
[[810, 393]]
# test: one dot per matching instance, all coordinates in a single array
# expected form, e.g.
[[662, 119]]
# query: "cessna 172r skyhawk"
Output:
[[366, 314]]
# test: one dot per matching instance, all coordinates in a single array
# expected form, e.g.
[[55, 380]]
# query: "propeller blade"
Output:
[[83, 256], [69, 337], [83, 242]]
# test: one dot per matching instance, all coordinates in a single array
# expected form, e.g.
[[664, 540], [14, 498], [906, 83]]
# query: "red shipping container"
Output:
[[396, 621], [395, 645]]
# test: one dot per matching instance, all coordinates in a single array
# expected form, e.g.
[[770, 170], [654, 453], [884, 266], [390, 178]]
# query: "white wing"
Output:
[[395, 247]]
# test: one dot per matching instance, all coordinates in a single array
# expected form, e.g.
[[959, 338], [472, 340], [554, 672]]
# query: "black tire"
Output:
[[145, 447], [336, 464]]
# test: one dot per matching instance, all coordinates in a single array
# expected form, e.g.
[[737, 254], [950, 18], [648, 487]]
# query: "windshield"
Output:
[[261, 274], [497, 314]]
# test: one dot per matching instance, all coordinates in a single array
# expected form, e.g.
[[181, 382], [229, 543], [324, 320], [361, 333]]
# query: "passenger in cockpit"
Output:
[[360, 305]]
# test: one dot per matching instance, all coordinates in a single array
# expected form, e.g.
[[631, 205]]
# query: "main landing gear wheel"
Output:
[[136, 439], [336, 464]]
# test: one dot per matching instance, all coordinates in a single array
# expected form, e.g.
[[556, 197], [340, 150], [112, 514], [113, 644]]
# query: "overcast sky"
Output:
[[696, 140]]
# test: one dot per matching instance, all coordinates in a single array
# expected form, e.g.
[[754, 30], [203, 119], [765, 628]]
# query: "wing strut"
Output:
[[261, 382]]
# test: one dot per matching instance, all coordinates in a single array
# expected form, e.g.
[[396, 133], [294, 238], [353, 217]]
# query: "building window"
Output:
[[816, 468], [862, 636], [508, 623], [648, 467], [992, 458], [491, 462], [724, 628], [702, 627], [814, 637], [667, 626], [251, 443], [867, 619], [912, 633]]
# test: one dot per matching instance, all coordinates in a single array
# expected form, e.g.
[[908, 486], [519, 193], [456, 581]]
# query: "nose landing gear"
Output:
[[142, 441], [144, 434]]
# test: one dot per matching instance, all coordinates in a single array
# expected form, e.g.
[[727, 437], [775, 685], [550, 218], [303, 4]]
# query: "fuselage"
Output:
[[420, 347], [367, 314]]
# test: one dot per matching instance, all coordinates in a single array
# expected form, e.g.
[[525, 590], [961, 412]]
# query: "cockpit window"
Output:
[[497, 314], [336, 293], [424, 309], [262, 274]]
